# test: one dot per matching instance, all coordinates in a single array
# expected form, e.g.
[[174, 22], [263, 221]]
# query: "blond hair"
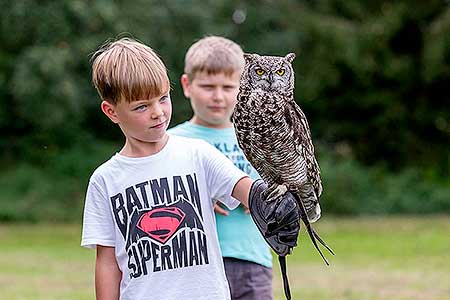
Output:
[[128, 70], [213, 55]]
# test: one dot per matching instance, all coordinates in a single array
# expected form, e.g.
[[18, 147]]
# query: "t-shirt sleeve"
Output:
[[98, 225], [221, 175]]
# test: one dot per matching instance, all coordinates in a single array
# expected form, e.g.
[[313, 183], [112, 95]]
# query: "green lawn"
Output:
[[376, 258]]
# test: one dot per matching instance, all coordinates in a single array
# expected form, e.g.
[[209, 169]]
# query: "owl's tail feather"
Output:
[[312, 233], [316, 235], [287, 290]]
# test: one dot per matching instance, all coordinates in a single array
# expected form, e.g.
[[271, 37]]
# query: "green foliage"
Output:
[[352, 189], [373, 76], [54, 189]]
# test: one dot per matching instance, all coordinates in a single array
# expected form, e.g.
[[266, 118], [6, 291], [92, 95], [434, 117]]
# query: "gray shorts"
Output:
[[248, 280]]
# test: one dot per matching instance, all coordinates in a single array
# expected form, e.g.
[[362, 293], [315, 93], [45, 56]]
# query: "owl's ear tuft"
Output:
[[290, 57], [249, 57]]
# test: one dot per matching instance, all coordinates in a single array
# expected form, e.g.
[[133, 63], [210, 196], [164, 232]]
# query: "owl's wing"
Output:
[[241, 129], [298, 123], [242, 126]]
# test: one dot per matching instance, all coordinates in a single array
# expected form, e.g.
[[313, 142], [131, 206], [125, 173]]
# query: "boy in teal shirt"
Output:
[[211, 81]]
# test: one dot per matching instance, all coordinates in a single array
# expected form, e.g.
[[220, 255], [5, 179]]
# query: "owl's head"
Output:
[[268, 73]]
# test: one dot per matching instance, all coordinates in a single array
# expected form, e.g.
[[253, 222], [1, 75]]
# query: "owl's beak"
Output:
[[270, 80], [272, 85]]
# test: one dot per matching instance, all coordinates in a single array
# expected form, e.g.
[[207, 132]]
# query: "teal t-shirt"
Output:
[[238, 235]]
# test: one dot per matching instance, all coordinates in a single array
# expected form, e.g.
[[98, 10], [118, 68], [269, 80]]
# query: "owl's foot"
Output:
[[276, 193]]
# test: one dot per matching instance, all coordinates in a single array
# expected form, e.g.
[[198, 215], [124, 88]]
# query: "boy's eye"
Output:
[[140, 107], [280, 72], [228, 88], [164, 99], [260, 71]]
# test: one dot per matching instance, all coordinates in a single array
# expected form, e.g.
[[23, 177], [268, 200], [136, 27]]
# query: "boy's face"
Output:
[[143, 120], [213, 97]]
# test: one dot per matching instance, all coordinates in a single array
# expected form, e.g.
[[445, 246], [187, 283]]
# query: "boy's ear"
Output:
[[185, 83], [110, 111]]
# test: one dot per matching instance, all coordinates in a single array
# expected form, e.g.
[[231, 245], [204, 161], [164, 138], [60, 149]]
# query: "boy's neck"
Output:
[[136, 148], [197, 121]]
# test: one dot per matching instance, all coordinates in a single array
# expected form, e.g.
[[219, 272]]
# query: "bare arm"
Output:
[[107, 274], [242, 189]]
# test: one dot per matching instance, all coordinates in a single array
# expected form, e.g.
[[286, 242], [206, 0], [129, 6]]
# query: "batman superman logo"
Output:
[[163, 222]]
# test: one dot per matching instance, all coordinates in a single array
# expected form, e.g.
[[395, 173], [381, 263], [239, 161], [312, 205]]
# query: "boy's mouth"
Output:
[[216, 108], [162, 124]]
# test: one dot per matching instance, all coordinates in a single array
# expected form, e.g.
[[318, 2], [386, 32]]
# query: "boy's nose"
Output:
[[157, 111], [218, 95]]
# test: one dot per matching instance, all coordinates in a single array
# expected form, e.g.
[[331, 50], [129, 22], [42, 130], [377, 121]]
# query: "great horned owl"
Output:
[[274, 134]]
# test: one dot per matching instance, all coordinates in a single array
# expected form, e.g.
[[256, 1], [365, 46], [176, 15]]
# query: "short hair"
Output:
[[213, 55], [128, 70]]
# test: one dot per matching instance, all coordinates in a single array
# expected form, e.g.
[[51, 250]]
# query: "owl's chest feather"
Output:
[[267, 128]]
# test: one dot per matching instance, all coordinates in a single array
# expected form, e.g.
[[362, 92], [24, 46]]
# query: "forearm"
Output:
[[241, 190], [107, 274]]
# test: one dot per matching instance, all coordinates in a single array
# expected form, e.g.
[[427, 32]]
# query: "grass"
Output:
[[394, 258]]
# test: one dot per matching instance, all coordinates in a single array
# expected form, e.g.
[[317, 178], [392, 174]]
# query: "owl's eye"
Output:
[[260, 72], [280, 72]]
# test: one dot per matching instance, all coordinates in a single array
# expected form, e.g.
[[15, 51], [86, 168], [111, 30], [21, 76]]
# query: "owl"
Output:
[[274, 135]]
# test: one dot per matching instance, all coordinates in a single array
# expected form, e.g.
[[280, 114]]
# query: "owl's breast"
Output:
[[266, 137], [274, 148]]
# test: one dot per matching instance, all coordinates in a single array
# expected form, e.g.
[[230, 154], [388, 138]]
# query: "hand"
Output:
[[220, 210], [277, 220], [246, 210]]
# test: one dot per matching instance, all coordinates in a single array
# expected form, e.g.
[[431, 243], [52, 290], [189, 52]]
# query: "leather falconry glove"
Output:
[[279, 223]]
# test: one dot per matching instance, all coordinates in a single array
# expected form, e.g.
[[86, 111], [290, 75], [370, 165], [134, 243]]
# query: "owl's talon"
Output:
[[276, 193]]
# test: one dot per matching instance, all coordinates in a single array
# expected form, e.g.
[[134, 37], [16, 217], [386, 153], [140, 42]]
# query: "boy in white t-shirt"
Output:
[[148, 209]]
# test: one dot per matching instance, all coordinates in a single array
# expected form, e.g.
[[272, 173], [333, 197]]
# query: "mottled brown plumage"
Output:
[[274, 134]]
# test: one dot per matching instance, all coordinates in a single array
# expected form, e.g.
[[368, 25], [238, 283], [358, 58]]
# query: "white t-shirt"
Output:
[[157, 213]]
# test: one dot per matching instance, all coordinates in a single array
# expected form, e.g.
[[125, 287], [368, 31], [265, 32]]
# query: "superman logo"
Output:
[[161, 223]]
